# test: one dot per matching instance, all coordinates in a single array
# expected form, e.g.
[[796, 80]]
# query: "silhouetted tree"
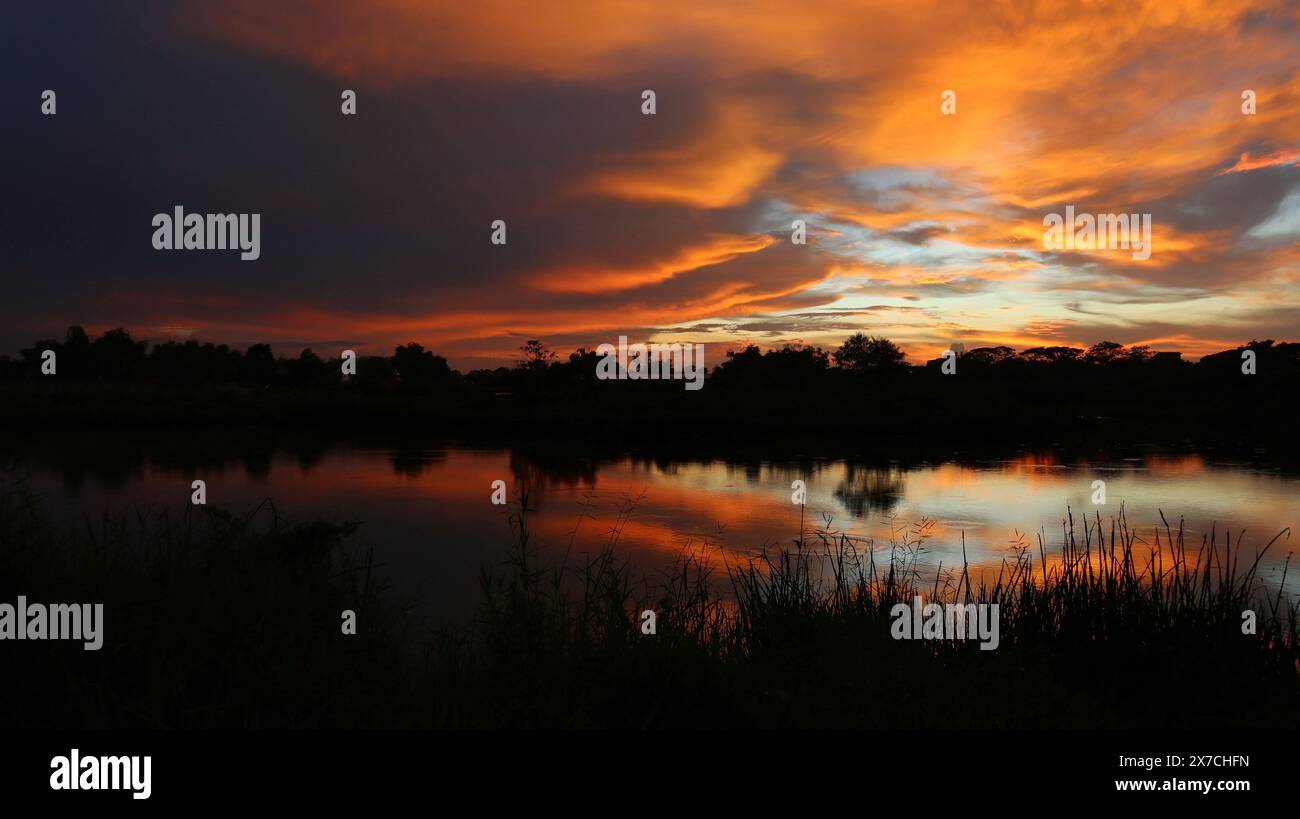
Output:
[[375, 373], [580, 368], [258, 366], [790, 367], [536, 356], [1051, 355], [416, 367], [988, 356], [1271, 360], [308, 368], [74, 357], [860, 352], [117, 357], [1104, 352], [191, 363]]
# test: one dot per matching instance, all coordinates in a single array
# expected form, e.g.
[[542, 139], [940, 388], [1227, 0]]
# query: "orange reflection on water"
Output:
[[428, 512]]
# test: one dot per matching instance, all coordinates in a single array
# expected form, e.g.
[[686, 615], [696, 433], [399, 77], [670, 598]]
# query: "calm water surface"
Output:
[[427, 513]]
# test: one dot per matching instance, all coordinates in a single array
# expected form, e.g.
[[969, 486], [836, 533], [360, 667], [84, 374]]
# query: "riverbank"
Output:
[[923, 418]]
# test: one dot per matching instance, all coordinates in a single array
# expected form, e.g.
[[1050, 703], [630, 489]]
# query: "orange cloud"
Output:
[[575, 279], [1253, 163], [769, 109]]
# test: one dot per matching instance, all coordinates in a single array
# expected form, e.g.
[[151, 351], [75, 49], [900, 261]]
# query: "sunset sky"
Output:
[[923, 227]]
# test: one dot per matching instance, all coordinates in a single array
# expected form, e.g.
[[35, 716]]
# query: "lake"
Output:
[[426, 507]]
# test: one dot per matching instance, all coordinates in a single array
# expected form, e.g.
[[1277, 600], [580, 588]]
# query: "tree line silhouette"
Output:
[[116, 357]]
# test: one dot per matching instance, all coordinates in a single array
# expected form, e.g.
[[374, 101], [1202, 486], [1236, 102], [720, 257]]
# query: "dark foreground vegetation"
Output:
[[860, 391], [221, 620]]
